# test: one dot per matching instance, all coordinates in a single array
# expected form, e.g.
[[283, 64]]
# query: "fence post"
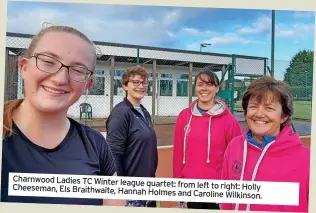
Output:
[[272, 43], [190, 82], [6, 84], [233, 70], [154, 83], [265, 67], [137, 55], [311, 85], [112, 82]]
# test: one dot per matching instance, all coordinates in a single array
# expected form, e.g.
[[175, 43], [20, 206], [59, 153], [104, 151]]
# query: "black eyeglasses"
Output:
[[51, 65], [137, 83]]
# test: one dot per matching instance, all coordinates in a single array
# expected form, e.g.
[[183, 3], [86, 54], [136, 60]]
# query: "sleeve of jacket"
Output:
[[178, 147], [117, 134]]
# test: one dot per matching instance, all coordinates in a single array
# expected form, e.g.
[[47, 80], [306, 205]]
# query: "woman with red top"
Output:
[[269, 150], [202, 133]]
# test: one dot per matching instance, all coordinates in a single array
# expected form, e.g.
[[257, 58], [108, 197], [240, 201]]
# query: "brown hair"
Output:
[[212, 77], [132, 71], [263, 86], [10, 106]]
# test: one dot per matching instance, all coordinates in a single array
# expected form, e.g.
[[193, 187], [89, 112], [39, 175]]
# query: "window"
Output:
[[193, 86], [166, 85], [182, 85], [118, 73], [99, 83], [118, 89], [150, 84]]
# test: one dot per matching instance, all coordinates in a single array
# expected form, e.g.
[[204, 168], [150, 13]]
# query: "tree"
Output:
[[300, 69], [299, 75]]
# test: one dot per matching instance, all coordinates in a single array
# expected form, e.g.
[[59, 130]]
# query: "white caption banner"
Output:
[[160, 189]]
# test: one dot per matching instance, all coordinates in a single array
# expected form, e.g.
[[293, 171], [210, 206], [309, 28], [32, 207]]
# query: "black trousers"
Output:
[[193, 205]]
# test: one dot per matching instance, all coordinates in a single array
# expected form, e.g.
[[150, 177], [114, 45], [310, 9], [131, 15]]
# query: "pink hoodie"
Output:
[[200, 154], [284, 160]]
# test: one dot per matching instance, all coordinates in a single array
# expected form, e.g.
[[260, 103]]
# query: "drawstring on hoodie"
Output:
[[208, 139], [255, 169], [217, 109]]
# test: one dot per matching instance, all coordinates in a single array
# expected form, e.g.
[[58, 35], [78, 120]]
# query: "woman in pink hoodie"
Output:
[[202, 133], [269, 150]]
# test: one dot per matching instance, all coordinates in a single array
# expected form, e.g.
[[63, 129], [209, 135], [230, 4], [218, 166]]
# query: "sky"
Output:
[[230, 31]]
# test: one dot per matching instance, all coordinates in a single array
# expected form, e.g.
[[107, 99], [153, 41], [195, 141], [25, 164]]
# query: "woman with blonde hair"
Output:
[[38, 137]]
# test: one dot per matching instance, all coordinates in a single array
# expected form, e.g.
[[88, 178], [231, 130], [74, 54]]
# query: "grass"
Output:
[[302, 110]]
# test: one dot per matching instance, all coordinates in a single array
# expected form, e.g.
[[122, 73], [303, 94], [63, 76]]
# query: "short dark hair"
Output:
[[260, 87]]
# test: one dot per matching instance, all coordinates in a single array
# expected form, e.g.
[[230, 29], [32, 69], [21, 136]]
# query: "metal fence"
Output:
[[299, 76], [171, 79]]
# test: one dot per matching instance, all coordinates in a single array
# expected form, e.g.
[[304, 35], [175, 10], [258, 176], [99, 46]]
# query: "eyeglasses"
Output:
[[51, 65], [137, 83]]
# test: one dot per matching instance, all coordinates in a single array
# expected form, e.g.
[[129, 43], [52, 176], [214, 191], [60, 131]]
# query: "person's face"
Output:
[[265, 118], [205, 91], [56, 92], [136, 87]]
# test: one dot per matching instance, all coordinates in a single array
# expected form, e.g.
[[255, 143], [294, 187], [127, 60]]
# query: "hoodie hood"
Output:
[[217, 110], [287, 139]]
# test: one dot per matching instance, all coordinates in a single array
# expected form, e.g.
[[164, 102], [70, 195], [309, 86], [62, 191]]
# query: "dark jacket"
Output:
[[132, 140]]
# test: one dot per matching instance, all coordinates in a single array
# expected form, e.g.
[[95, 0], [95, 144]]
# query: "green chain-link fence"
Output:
[[299, 76]]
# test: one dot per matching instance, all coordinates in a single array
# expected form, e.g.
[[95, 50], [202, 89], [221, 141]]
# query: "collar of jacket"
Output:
[[130, 105]]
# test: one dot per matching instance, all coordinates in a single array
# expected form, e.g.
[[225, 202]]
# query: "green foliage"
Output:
[[300, 70]]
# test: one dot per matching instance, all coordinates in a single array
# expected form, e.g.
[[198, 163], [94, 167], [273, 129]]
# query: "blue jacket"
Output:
[[132, 140]]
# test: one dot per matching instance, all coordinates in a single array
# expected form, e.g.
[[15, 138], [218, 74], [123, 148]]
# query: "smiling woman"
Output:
[[269, 150], [38, 137], [130, 132], [202, 133]]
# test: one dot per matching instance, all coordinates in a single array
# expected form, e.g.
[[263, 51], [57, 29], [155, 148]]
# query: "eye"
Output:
[[47, 61], [79, 70]]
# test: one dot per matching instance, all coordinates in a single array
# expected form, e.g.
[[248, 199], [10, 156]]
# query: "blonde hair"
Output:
[[10, 106]]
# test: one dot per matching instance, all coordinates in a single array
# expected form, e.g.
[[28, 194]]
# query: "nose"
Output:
[[61, 77], [260, 111], [204, 87]]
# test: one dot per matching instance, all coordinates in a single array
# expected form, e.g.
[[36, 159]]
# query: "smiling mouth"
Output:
[[54, 91], [204, 94], [260, 122]]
